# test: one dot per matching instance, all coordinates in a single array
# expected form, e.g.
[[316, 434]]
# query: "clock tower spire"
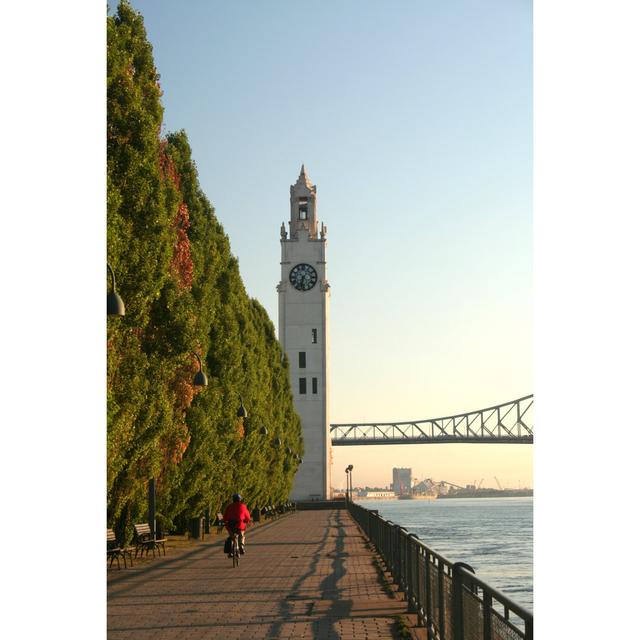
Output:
[[303, 206], [303, 325]]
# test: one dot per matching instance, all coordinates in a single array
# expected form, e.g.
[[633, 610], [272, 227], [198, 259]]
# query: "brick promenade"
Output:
[[307, 575]]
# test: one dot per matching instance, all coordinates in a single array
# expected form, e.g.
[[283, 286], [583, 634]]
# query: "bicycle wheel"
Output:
[[236, 553]]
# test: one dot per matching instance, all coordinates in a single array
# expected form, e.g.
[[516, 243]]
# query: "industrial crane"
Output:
[[430, 484], [443, 482], [481, 481], [498, 483]]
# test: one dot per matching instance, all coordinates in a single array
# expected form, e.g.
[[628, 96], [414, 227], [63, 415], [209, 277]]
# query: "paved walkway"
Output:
[[307, 575]]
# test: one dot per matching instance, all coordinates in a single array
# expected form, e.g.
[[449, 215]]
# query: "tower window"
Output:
[[314, 336], [302, 208], [302, 359], [314, 385], [303, 385]]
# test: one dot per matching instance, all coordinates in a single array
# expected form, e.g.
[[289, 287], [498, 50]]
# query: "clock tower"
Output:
[[303, 326]]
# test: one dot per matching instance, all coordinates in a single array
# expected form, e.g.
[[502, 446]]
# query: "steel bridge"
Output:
[[508, 423]]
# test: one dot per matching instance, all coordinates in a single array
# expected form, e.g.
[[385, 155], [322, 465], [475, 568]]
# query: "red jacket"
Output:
[[237, 511]]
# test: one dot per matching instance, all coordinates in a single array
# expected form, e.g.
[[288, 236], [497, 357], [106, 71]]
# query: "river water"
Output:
[[493, 535]]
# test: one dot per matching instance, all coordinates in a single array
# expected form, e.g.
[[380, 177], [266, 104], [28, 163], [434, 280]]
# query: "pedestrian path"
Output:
[[307, 575]]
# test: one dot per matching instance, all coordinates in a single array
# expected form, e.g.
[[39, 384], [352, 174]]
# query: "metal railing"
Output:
[[448, 598]]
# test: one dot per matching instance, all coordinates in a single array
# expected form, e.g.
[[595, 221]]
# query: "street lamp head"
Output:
[[115, 306], [350, 467], [200, 379], [242, 412]]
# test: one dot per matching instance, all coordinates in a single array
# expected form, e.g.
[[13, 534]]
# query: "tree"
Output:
[[184, 294]]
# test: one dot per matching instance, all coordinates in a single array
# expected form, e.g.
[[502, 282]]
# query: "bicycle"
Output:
[[235, 548], [235, 543]]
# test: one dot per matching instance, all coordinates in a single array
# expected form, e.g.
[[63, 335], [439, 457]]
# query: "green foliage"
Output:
[[183, 294], [400, 629]]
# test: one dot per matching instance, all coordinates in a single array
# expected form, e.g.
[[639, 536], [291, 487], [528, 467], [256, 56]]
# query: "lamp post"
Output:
[[151, 507], [255, 514], [115, 306], [242, 415], [276, 444], [350, 482], [200, 379]]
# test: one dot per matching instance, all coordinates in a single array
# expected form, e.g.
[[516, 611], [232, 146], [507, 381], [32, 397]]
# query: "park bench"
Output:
[[115, 553], [144, 541]]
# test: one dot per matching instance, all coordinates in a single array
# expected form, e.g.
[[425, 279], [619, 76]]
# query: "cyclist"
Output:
[[236, 517]]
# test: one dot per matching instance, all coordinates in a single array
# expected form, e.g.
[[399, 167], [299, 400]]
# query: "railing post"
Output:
[[393, 551], [420, 584], [407, 564], [487, 606], [528, 629], [458, 599], [412, 569], [441, 626], [401, 546], [408, 570], [428, 608]]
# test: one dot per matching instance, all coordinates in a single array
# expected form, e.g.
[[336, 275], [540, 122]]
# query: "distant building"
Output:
[[401, 481], [376, 494]]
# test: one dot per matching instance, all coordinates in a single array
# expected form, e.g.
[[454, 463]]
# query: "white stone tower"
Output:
[[303, 323]]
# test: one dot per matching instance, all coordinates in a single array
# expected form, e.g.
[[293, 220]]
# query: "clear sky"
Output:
[[414, 120]]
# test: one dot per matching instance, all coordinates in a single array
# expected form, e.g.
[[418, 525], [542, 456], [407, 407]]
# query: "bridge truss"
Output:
[[508, 423]]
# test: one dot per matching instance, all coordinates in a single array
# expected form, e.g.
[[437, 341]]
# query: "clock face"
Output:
[[303, 277]]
